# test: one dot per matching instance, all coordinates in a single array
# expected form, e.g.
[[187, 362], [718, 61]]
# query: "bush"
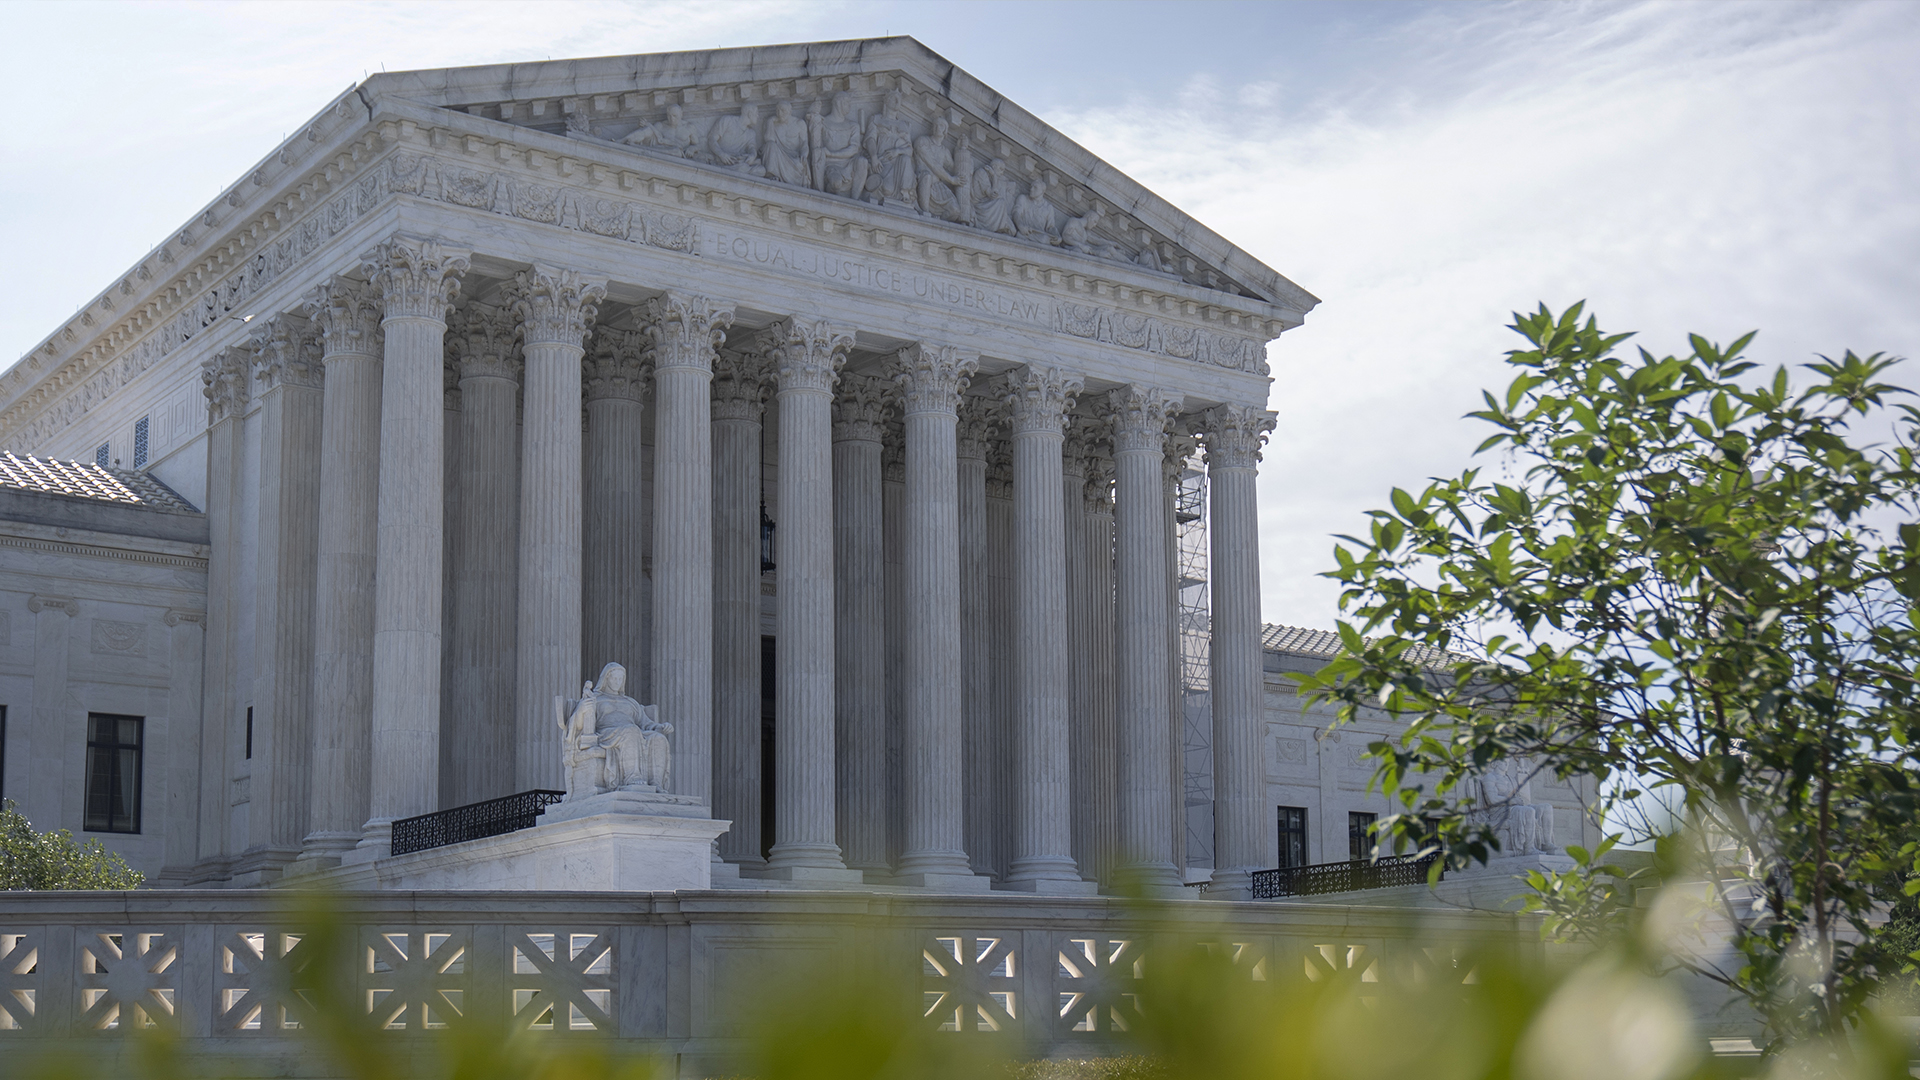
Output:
[[55, 860]]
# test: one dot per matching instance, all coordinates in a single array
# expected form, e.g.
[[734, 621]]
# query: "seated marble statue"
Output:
[[734, 142], [1034, 216], [1522, 826], [610, 742], [672, 136]]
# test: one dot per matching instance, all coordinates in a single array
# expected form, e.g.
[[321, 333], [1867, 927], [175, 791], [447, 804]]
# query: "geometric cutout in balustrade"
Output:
[[1342, 965], [1248, 958], [19, 980], [413, 980], [1099, 983], [968, 983], [128, 978], [562, 980], [254, 982]]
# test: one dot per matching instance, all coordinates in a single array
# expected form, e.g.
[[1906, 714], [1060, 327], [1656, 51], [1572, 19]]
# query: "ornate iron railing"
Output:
[[1323, 878], [472, 821]]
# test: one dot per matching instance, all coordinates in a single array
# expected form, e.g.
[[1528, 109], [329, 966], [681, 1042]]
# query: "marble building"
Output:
[[845, 403]]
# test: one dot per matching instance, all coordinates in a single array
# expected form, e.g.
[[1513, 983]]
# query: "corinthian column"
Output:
[[614, 512], [348, 315], [859, 618], [931, 379], [485, 584], [1233, 435], [977, 775], [1038, 398], [740, 386], [1144, 630], [555, 308], [418, 280], [1101, 747], [807, 356], [685, 331]]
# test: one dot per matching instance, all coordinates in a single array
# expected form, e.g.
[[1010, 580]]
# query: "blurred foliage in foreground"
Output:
[[55, 860]]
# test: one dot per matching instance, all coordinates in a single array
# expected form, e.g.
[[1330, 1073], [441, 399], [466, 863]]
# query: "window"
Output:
[[3, 751], [1360, 836], [140, 443], [1293, 836], [249, 733], [103, 457], [113, 772]]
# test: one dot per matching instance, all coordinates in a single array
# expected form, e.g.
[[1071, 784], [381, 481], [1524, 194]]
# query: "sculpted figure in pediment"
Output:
[[784, 147], [734, 141], [945, 183], [1078, 237], [992, 197], [889, 147], [1034, 216], [672, 136], [839, 168]]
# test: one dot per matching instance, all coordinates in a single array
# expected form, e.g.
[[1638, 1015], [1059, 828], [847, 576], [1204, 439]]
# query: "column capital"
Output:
[[348, 315], [1180, 447], [484, 341], [861, 408], [288, 352], [893, 452], [186, 616], [616, 365], [224, 379], [999, 469], [1078, 437], [1100, 477], [40, 602], [742, 381], [1140, 415], [686, 329], [981, 417], [807, 353], [1234, 434], [418, 278], [1038, 397], [931, 378], [555, 306]]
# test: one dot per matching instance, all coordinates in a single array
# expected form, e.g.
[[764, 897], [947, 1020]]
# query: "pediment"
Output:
[[912, 132]]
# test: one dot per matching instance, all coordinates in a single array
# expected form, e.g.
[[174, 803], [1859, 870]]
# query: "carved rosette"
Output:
[[417, 278], [347, 313], [1038, 397], [861, 409], [1234, 435], [484, 342], [931, 378], [617, 366], [288, 353], [555, 307], [685, 330], [980, 418], [742, 382], [807, 354], [224, 379], [1140, 415]]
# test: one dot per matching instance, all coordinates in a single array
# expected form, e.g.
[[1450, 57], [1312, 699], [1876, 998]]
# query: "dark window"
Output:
[[113, 773], [103, 457], [767, 821], [140, 441], [3, 751], [249, 733], [1293, 836], [1360, 836]]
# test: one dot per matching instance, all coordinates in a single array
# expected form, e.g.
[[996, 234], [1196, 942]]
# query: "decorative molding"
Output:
[[1234, 434], [617, 365], [1139, 417], [178, 616], [224, 379], [59, 547], [118, 638], [742, 382], [807, 354], [861, 409], [555, 307], [686, 330], [38, 602], [418, 277], [931, 378], [1038, 398]]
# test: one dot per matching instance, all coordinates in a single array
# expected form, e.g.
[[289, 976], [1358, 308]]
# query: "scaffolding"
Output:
[[1195, 633]]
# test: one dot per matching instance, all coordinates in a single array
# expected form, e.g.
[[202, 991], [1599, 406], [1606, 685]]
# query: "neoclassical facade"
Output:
[[841, 400]]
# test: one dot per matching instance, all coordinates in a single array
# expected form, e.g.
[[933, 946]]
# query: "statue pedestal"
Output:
[[617, 841]]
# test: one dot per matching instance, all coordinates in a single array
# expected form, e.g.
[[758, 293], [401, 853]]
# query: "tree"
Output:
[[1693, 583], [55, 860]]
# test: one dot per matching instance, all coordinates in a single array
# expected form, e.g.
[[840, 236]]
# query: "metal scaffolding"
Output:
[[1195, 632]]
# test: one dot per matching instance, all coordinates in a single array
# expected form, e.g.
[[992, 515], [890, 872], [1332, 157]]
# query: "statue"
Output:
[[1077, 236], [992, 198], [610, 742], [1522, 826], [945, 189], [734, 141], [673, 136], [889, 147], [838, 166], [577, 126], [1033, 215], [783, 147]]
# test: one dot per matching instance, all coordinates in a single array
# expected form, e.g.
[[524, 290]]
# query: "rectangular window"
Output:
[[1360, 836], [140, 443], [249, 733], [103, 457], [113, 772], [1293, 836], [3, 751]]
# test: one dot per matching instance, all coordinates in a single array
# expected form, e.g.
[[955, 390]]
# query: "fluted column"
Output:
[[859, 617], [976, 427], [348, 315], [485, 582], [614, 510], [1180, 447], [1233, 435], [893, 516], [1102, 746], [931, 379], [1073, 511], [807, 356], [740, 385], [1144, 633], [685, 331], [1038, 398], [418, 280]]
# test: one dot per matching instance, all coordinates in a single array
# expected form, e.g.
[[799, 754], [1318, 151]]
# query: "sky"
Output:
[[1424, 169]]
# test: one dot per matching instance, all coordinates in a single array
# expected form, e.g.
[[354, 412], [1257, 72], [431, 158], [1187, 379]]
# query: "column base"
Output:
[[946, 883], [807, 856], [376, 842], [1230, 884], [1159, 880], [822, 876], [1051, 886]]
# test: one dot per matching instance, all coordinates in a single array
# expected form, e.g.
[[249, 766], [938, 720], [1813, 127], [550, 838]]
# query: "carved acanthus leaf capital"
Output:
[[617, 365], [861, 409], [931, 378], [807, 353], [1038, 397], [982, 416], [741, 383], [484, 342], [348, 315], [686, 330], [1234, 435], [893, 452], [1181, 446], [224, 379], [555, 307], [999, 470], [1140, 415], [288, 352], [418, 278]]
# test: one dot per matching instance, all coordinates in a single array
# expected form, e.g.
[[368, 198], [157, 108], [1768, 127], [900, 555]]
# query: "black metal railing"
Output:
[[472, 821], [1322, 878]]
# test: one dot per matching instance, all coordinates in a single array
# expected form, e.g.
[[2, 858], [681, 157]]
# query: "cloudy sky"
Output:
[[1423, 168]]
